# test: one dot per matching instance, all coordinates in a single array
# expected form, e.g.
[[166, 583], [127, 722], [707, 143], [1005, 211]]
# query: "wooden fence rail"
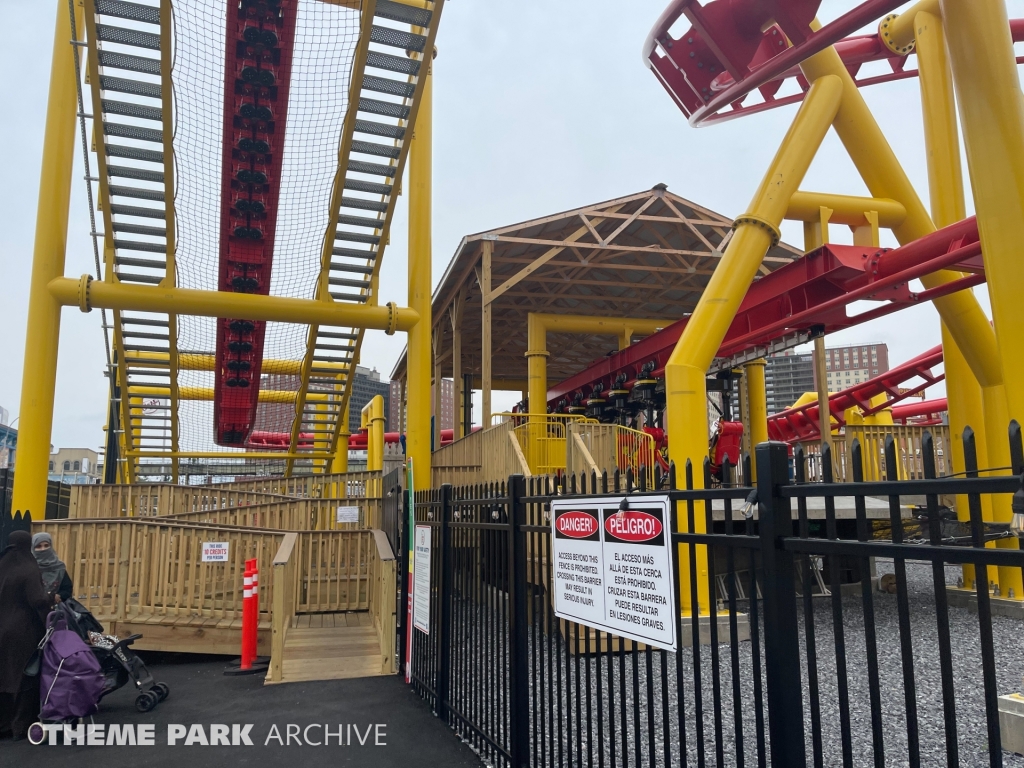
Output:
[[337, 486], [148, 500], [292, 515]]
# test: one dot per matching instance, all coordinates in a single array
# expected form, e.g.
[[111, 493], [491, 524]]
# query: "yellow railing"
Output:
[[486, 455], [599, 448], [542, 438]]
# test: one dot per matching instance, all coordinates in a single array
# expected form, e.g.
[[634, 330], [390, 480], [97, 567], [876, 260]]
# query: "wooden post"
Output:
[[437, 388], [485, 333], [821, 380], [455, 314]]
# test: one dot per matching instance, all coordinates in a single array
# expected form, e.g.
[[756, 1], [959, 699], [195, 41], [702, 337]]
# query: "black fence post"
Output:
[[519, 683], [445, 595], [782, 642]]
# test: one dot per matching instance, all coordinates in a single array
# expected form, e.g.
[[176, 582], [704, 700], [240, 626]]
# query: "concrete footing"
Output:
[[1011, 722], [960, 597]]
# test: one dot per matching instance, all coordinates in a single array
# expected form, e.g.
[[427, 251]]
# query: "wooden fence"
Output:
[[149, 576], [137, 567], [872, 442], [318, 572], [292, 515], [337, 486], [149, 500]]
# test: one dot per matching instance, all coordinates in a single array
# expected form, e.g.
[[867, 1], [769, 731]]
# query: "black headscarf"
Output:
[[52, 567], [23, 608]]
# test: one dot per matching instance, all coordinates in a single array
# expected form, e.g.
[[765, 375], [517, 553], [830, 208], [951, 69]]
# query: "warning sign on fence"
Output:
[[421, 580], [613, 567]]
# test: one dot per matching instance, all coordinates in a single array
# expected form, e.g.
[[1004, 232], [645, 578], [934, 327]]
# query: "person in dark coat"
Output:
[[56, 581], [24, 606]]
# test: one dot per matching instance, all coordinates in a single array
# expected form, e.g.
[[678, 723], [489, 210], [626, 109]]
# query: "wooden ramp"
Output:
[[331, 646]]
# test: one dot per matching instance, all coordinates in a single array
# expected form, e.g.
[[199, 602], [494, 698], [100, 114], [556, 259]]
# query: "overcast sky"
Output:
[[539, 106]]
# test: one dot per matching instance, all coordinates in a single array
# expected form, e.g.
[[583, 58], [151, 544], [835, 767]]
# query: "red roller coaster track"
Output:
[[797, 424], [815, 290]]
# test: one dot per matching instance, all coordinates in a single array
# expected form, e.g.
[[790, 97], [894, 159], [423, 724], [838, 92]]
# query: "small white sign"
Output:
[[348, 515], [613, 568], [421, 580], [215, 551]]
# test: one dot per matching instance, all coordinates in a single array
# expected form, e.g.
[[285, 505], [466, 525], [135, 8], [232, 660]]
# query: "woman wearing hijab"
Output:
[[24, 605], [56, 581]]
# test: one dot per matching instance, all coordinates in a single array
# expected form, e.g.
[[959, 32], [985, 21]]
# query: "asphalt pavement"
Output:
[[377, 721]]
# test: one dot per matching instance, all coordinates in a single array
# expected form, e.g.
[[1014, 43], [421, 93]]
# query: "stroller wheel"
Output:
[[162, 690], [145, 701]]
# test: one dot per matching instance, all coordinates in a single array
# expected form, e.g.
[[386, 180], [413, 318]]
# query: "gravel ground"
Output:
[[561, 735]]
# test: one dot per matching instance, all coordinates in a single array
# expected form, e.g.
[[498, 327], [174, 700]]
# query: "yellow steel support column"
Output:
[[755, 232], [871, 154], [340, 461], [757, 406], [885, 178], [372, 420], [946, 195], [42, 337], [992, 115], [539, 324], [417, 441]]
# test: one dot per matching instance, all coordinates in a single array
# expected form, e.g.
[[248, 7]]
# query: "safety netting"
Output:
[[325, 40]]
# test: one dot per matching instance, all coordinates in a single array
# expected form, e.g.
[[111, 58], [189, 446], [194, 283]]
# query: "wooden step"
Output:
[[331, 646]]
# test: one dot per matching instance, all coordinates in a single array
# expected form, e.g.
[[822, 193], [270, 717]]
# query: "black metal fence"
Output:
[[795, 668], [10, 523], [58, 496]]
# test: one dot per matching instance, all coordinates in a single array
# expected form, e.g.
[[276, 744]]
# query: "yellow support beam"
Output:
[[946, 199], [755, 232], [340, 461], [885, 178], [992, 116], [539, 325], [845, 209], [42, 338], [417, 441], [89, 294], [757, 406], [371, 418]]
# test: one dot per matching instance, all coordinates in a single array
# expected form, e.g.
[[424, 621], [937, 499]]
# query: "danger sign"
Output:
[[613, 567]]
